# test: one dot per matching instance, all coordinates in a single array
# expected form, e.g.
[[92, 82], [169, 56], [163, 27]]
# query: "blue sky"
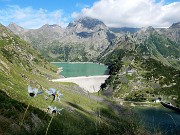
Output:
[[68, 6], [114, 13]]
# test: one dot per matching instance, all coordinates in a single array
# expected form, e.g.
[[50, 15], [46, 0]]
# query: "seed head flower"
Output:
[[56, 94], [33, 92], [54, 110]]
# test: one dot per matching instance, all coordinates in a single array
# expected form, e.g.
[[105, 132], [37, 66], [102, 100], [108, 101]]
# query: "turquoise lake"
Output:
[[82, 69]]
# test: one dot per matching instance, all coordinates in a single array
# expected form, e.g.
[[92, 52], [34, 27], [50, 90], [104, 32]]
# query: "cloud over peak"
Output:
[[133, 13]]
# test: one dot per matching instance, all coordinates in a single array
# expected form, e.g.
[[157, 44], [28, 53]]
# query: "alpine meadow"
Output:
[[90, 67]]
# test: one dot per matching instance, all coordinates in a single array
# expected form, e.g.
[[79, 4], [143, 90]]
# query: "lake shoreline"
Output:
[[76, 69], [134, 104], [81, 63], [88, 75]]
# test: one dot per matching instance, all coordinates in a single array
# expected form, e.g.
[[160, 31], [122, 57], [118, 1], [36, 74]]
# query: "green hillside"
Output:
[[161, 48], [20, 66], [58, 51], [142, 72]]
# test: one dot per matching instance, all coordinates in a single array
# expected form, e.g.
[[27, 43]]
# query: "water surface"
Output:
[[82, 69], [158, 118]]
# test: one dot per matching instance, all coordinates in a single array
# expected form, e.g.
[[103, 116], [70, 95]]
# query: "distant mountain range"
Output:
[[124, 30], [82, 40], [86, 38]]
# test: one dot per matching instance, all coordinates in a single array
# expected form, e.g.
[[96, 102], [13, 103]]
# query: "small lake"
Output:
[[82, 69], [158, 118]]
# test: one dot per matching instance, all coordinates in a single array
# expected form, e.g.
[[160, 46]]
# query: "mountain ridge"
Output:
[[175, 25], [86, 39], [90, 35], [65, 41]]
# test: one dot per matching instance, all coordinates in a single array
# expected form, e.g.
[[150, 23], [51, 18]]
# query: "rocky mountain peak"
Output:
[[15, 28], [51, 29], [50, 26], [83, 39], [147, 29], [175, 25], [54, 25], [87, 22], [150, 28]]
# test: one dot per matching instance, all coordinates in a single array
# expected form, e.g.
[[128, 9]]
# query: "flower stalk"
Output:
[[24, 115], [49, 124]]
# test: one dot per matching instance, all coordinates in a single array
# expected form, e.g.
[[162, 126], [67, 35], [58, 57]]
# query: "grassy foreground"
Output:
[[81, 115]]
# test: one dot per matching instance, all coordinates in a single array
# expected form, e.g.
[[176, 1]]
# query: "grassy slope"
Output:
[[81, 115], [20, 65], [58, 51], [161, 49]]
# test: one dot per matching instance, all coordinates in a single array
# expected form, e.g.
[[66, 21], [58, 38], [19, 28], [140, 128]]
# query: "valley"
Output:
[[22, 66], [135, 65]]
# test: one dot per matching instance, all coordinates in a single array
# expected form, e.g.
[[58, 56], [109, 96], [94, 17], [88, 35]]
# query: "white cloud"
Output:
[[31, 18], [81, 5], [75, 15], [133, 13]]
